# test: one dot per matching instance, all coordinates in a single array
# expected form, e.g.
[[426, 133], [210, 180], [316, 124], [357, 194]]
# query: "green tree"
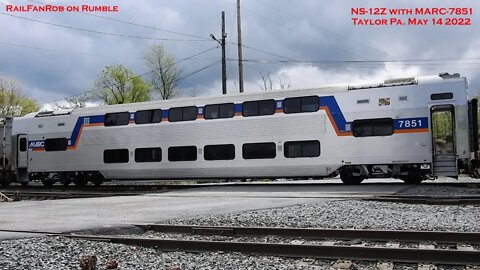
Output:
[[118, 85], [12, 101], [165, 74]]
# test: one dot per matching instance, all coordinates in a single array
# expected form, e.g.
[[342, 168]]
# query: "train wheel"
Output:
[[413, 179], [97, 182], [350, 179], [47, 182], [5, 182], [80, 180]]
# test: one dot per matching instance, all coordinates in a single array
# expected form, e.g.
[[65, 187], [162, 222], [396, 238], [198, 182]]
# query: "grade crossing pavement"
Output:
[[71, 215]]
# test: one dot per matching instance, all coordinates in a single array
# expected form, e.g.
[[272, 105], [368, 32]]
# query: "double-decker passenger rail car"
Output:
[[409, 128]]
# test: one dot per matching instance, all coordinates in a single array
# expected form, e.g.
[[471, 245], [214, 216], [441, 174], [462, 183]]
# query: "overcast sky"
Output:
[[288, 39]]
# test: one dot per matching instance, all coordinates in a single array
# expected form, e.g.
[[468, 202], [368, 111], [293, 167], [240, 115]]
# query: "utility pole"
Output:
[[224, 61], [240, 64]]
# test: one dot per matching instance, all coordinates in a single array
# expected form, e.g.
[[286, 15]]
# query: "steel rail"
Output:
[[376, 235], [453, 257], [63, 195], [433, 200]]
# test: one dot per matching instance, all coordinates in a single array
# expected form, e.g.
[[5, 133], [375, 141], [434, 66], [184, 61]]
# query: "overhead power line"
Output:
[[100, 32], [67, 52], [135, 24], [320, 27], [359, 61], [181, 79], [141, 75]]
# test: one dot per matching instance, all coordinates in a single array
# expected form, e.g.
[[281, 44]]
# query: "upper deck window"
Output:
[[215, 111], [148, 116], [260, 107], [182, 114], [300, 104], [117, 119]]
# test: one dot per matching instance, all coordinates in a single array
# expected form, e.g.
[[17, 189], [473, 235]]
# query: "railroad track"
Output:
[[20, 195], [17, 195], [384, 247], [371, 245], [433, 200]]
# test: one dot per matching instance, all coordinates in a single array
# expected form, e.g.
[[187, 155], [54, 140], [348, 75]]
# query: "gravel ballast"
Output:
[[64, 253]]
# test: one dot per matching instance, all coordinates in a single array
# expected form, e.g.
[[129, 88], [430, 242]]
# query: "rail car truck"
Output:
[[409, 128]]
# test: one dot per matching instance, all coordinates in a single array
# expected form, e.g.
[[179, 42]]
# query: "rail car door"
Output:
[[22, 151], [443, 140]]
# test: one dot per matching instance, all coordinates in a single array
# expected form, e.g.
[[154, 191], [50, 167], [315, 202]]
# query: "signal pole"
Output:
[[240, 64]]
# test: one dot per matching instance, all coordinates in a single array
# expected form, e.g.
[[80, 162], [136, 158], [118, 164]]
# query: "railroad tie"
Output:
[[427, 267], [384, 266], [341, 265]]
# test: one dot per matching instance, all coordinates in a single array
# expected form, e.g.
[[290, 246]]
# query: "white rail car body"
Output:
[[377, 130]]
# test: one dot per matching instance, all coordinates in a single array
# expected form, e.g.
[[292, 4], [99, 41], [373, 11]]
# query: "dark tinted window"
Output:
[[259, 150], [219, 152], [300, 104], [175, 114], [261, 107], [23, 144], [117, 119], [441, 96], [302, 149], [182, 153], [373, 127], [148, 116], [219, 111], [148, 154], [57, 144], [182, 114], [115, 156]]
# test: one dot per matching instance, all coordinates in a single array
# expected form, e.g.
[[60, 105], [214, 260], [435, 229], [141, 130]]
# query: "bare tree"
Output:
[[194, 92], [266, 83], [12, 101], [75, 102], [282, 84], [165, 74]]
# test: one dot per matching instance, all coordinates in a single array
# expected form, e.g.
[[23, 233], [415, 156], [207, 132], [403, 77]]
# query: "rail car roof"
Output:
[[282, 93]]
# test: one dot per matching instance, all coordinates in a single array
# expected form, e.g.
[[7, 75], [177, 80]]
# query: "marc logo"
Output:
[[36, 144]]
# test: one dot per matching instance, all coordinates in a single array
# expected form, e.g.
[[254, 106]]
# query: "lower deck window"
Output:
[[115, 156], [259, 150], [302, 149], [372, 127], [148, 154], [182, 153], [219, 152]]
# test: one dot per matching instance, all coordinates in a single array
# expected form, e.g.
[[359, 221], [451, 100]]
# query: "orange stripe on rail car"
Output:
[[413, 130]]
